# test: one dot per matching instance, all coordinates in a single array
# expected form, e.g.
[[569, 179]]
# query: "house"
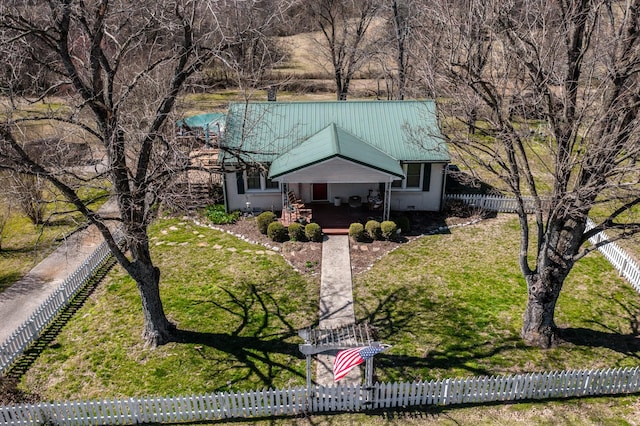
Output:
[[386, 155]]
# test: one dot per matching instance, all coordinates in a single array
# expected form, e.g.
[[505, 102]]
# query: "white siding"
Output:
[[401, 200], [265, 200], [413, 199]]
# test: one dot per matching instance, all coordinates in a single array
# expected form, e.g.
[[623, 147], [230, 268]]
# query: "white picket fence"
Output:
[[494, 203], [31, 329], [322, 399], [624, 264]]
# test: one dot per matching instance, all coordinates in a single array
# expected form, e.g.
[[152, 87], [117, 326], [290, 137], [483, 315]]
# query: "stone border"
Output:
[[277, 249]]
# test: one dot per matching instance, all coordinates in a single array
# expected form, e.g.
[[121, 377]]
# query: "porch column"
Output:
[[387, 201], [284, 188]]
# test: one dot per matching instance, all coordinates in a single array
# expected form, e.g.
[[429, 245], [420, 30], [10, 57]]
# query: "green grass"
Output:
[[25, 244], [452, 305], [237, 305]]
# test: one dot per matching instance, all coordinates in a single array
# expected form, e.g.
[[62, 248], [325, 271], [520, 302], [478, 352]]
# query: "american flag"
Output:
[[349, 358]]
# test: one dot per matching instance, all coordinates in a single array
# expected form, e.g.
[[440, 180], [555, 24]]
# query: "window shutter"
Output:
[[426, 177], [240, 182]]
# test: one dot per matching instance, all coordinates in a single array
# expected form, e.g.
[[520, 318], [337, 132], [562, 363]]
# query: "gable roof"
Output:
[[331, 142], [403, 130]]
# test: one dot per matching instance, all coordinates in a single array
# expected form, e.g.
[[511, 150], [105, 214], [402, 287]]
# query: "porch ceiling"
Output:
[[333, 155]]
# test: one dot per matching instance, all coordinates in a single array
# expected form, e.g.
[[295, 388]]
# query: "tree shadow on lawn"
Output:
[[250, 347], [390, 318], [251, 353], [387, 317], [459, 357], [612, 337], [627, 344]]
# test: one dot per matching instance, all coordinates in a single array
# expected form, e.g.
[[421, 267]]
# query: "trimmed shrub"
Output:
[[264, 219], [403, 224], [277, 232], [388, 230], [218, 215], [373, 230], [296, 232], [313, 232], [356, 231]]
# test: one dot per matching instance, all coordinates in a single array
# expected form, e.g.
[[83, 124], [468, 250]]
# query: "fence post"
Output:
[[623, 267]]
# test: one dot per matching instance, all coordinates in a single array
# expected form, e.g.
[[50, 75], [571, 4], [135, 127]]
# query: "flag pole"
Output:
[[308, 372], [368, 371]]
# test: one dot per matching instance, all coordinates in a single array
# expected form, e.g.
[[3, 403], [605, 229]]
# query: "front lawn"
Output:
[[238, 307], [452, 305]]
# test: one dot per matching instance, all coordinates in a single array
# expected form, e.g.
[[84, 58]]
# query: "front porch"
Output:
[[334, 220]]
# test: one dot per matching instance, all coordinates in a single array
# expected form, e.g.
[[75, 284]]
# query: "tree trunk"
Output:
[[539, 328], [157, 329], [555, 259]]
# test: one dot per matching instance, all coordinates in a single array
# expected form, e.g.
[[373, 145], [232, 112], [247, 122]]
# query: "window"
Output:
[[253, 179], [269, 184], [413, 179], [413, 175], [258, 181]]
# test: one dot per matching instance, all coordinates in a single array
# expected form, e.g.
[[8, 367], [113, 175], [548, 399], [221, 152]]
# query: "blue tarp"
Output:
[[203, 120]]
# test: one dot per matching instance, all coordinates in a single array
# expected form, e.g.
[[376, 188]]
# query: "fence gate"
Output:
[[317, 341]]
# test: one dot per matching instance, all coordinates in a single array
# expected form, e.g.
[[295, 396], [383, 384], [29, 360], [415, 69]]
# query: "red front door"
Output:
[[319, 192]]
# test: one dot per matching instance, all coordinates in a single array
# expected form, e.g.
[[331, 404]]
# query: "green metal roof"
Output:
[[330, 142], [403, 130]]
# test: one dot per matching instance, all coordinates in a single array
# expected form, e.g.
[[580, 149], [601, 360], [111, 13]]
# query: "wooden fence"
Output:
[[323, 399], [31, 329], [624, 264]]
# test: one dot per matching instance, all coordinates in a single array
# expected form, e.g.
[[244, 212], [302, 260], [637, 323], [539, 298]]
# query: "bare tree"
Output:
[[122, 66], [552, 83], [344, 25], [246, 30], [5, 212], [396, 53], [28, 191]]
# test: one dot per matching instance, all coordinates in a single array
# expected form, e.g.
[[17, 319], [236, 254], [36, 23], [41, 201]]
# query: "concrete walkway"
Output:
[[19, 301], [336, 302]]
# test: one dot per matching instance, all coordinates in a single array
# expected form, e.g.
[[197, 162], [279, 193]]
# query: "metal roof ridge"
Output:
[[337, 149], [363, 141]]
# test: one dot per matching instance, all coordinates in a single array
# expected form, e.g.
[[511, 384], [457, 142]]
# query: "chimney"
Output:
[[271, 94]]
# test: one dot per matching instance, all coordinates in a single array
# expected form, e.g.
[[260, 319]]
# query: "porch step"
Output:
[[335, 231]]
